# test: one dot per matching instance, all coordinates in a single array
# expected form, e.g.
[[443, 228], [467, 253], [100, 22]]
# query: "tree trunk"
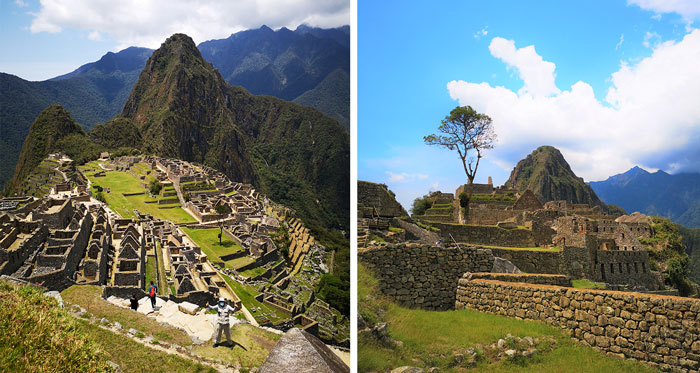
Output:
[[470, 190]]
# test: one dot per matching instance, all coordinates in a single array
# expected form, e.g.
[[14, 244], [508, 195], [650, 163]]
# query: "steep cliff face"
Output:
[[45, 135], [547, 174], [180, 104]]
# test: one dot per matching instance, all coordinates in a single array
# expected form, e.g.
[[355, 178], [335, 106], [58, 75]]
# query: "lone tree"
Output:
[[465, 130]]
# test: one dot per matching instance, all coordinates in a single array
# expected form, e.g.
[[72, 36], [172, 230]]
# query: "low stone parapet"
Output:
[[537, 278], [659, 330]]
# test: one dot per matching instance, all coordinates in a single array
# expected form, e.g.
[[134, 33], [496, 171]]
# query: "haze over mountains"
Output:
[[308, 64], [676, 197]]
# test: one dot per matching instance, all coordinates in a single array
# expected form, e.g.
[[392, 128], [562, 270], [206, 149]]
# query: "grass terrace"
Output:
[[253, 272], [430, 337], [123, 182], [587, 284], [151, 273], [208, 240], [247, 295]]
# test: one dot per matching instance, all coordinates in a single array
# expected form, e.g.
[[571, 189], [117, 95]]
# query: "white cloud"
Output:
[[688, 9], [651, 39], [94, 35], [619, 43], [537, 73], [404, 176], [482, 32], [149, 23], [649, 116], [21, 3]]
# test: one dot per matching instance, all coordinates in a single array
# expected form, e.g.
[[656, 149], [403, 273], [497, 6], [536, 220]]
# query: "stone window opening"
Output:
[[636, 269], [628, 268], [619, 266], [644, 268], [612, 269]]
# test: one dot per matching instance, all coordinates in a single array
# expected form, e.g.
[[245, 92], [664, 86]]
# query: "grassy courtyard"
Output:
[[429, 337], [122, 182], [208, 240]]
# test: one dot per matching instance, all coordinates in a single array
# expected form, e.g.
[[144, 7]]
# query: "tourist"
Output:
[[152, 290], [223, 309], [134, 302]]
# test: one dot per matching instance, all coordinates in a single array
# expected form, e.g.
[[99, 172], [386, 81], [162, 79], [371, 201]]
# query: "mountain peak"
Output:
[[546, 173], [52, 124]]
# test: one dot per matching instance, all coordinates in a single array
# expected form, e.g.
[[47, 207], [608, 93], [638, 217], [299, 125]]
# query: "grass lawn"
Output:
[[426, 335], [251, 346], [162, 279], [240, 262], [247, 296], [208, 240], [123, 182], [151, 273], [253, 272], [587, 284], [90, 298], [132, 356]]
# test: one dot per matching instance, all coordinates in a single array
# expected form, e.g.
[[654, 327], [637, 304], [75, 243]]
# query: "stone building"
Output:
[[130, 254]]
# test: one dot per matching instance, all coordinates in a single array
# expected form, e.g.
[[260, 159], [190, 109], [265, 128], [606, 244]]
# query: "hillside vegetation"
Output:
[[667, 254], [36, 335], [52, 131]]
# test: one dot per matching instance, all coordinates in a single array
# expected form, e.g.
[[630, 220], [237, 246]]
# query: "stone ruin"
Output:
[[581, 242], [130, 254], [48, 245]]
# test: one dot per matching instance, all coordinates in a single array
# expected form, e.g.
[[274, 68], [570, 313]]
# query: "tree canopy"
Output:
[[465, 130]]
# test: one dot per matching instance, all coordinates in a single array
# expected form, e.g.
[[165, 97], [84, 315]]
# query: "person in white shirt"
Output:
[[223, 310]]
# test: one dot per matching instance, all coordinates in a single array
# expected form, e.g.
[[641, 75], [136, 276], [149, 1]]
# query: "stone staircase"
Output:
[[362, 232]]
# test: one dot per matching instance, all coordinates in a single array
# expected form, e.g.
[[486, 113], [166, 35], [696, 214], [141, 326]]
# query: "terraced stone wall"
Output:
[[659, 330]]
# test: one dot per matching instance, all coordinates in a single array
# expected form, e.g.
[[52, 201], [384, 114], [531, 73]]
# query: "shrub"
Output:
[[154, 186], [463, 199], [420, 204]]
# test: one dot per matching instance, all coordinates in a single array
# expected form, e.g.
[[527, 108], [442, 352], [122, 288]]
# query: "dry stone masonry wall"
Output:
[[424, 276], [660, 330]]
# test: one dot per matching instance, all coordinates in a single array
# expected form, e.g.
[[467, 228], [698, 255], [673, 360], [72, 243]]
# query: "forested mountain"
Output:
[[281, 63], [676, 197]]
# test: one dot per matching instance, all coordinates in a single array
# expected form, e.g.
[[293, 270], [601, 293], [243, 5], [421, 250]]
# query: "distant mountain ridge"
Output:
[[97, 91], [676, 197], [547, 174]]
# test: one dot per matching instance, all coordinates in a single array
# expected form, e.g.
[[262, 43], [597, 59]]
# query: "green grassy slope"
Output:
[[431, 337]]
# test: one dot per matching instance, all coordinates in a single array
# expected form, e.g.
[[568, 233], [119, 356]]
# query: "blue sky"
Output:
[[593, 86], [42, 55], [47, 38]]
